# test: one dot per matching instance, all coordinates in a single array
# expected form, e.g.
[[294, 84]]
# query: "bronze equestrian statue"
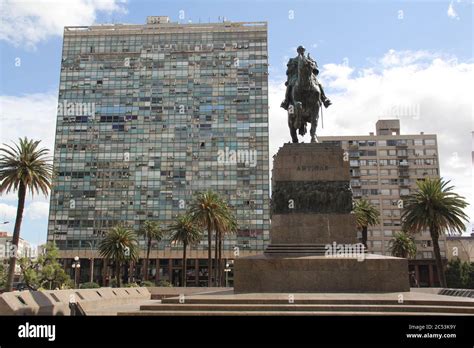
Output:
[[304, 95]]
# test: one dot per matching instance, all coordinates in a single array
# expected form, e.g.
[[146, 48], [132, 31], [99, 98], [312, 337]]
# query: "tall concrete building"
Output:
[[147, 116], [384, 168]]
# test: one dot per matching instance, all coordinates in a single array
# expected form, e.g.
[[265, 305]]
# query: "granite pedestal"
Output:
[[311, 220]]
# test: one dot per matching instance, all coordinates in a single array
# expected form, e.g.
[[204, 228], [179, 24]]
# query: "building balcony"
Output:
[[355, 174]]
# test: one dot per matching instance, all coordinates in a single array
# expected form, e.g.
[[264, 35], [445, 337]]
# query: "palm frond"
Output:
[[24, 163]]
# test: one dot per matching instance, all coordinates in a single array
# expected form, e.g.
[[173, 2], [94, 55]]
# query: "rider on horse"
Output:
[[292, 73]]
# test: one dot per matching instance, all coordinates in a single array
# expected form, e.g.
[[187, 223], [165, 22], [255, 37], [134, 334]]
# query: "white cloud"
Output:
[[27, 22], [37, 210], [403, 58], [7, 213], [30, 115], [452, 12], [34, 210], [428, 92], [33, 116]]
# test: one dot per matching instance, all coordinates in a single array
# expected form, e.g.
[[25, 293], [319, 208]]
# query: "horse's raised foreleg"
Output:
[[294, 137], [297, 110], [314, 124], [302, 129]]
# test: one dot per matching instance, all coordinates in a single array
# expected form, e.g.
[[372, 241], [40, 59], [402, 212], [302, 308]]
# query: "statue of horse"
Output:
[[305, 100]]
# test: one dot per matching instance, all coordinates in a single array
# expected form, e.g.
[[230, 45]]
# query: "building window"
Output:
[[427, 255]]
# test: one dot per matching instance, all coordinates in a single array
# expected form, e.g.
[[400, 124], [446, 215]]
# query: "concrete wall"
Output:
[[56, 302]]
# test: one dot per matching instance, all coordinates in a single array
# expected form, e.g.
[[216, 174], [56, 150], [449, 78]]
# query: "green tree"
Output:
[[150, 231], [3, 276], [436, 207], [470, 276], [23, 167], [45, 272], [185, 231], [120, 245], [366, 215], [403, 245], [454, 274], [209, 211]]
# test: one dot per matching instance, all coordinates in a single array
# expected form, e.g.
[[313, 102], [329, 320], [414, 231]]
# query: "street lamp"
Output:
[[76, 265], [227, 269]]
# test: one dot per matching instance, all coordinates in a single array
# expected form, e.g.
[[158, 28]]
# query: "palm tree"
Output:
[[185, 231], [366, 215], [150, 230], [121, 245], [436, 207], [403, 245], [23, 167], [210, 212]]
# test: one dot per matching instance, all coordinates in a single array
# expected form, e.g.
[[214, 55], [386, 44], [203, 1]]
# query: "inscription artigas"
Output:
[[312, 168]]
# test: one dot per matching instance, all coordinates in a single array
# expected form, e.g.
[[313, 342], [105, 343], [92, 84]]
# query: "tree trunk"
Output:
[[16, 236], [216, 269], [147, 260], [117, 273], [221, 266], [364, 236], [437, 254], [209, 254], [183, 276]]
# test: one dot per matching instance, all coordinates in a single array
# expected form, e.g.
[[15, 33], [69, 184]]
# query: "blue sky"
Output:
[[356, 30], [354, 42]]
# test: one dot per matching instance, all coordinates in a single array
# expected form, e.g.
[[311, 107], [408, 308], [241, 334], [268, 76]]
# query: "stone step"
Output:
[[279, 313], [308, 308], [315, 301], [296, 249], [457, 292]]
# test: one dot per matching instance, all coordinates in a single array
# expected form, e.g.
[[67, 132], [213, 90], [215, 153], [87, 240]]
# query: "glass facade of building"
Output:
[[150, 114]]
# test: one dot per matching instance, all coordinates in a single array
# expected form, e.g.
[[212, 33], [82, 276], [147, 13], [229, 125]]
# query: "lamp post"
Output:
[[76, 265], [227, 269]]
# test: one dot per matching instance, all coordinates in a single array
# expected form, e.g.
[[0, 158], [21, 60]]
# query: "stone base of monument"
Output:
[[300, 274], [311, 214]]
